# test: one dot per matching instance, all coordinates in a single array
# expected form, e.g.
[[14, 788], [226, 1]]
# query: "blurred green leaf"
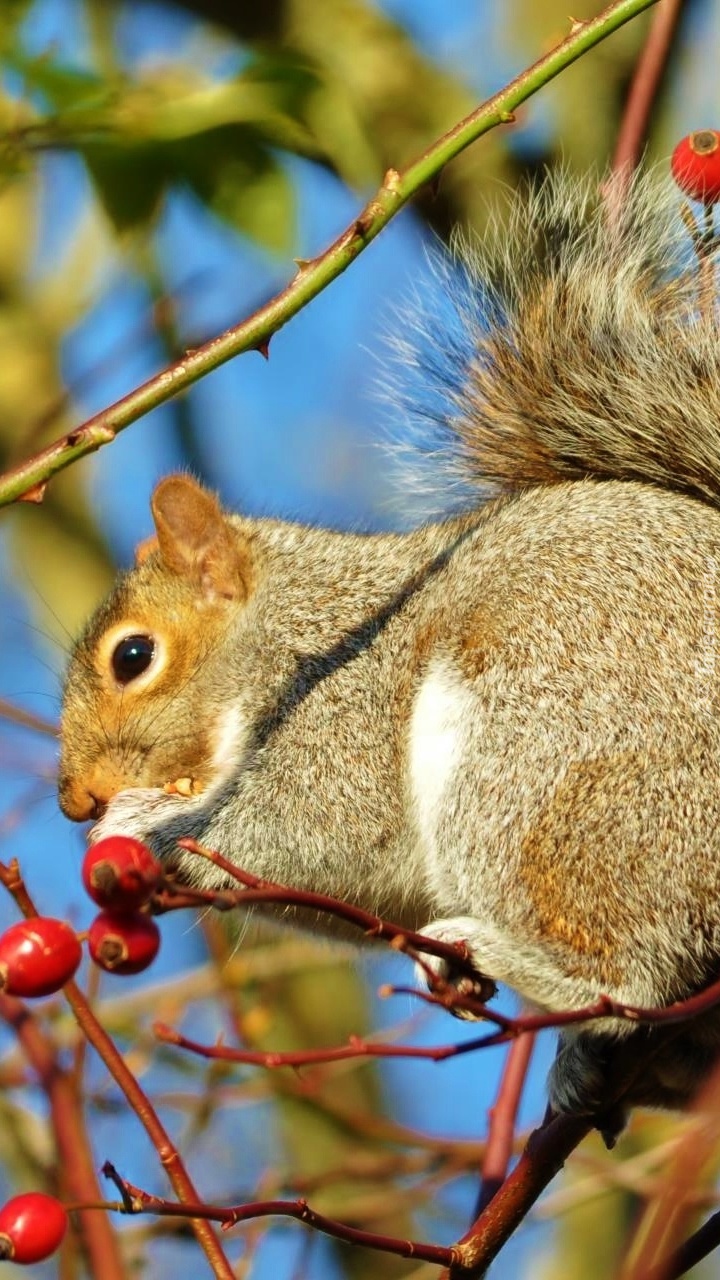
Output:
[[14, 13], [129, 180], [243, 183], [64, 87]]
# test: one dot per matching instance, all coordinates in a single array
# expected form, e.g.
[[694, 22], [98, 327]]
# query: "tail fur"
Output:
[[581, 349]]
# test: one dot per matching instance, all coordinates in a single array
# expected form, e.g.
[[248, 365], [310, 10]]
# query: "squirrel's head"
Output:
[[143, 705]]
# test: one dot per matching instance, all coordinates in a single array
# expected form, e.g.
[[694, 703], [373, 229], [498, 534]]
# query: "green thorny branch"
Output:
[[28, 479]]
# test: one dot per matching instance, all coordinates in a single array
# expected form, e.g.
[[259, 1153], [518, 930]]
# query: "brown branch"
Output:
[[97, 1036], [547, 1150], [544, 1156], [697, 1246], [405, 940]]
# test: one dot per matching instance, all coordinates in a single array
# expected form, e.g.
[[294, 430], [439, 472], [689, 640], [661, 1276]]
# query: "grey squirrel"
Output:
[[502, 726]]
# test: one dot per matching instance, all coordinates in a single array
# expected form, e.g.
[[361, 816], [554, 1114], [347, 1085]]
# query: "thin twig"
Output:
[[413, 944], [503, 1118], [136, 1201], [646, 84], [26, 719]]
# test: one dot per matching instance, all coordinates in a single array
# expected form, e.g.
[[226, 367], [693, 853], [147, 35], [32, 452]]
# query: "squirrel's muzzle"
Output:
[[87, 798]]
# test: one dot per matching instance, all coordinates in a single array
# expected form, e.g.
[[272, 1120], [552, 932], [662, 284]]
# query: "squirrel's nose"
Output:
[[85, 799], [86, 792], [78, 802]]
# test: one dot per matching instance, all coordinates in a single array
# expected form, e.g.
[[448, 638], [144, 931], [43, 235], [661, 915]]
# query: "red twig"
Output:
[[508, 1029], [257, 890], [503, 1117], [137, 1201], [405, 940], [646, 83], [669, 1015], [355, 1048]]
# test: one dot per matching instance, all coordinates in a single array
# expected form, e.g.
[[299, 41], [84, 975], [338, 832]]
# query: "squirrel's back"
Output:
[[581, 346]]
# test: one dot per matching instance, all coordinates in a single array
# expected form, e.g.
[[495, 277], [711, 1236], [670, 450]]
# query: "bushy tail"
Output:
[[582, 349]]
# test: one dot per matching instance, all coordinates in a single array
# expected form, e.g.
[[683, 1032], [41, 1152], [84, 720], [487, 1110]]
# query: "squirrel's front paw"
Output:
[[473, 985], [138, 812]]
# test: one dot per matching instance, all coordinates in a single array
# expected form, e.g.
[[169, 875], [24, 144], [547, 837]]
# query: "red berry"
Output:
[[32, 1226], [123, 943], [120, 873], [38, 956], [695, 165]]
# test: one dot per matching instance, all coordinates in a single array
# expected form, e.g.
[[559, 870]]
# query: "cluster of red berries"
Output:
[[695, 165], [39, 955], [120, 874]]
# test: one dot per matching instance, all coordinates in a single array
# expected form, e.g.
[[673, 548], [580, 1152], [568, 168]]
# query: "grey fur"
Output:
[[506, 722]]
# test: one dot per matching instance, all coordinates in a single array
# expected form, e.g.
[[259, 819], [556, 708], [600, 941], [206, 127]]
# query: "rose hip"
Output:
[[32, 1226], [123, 943], [120, 873], [38, 956], [695, 165]]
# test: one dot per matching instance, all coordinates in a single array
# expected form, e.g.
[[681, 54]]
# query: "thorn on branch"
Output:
[[35, 494], [264, 348]]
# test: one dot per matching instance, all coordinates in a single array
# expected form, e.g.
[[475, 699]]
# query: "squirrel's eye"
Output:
[[131, 656]]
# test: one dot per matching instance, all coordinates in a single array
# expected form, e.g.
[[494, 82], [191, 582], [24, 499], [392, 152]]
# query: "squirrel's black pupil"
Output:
[[131, 657]]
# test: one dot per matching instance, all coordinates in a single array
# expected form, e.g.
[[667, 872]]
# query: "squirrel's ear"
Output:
[[197, 542]]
